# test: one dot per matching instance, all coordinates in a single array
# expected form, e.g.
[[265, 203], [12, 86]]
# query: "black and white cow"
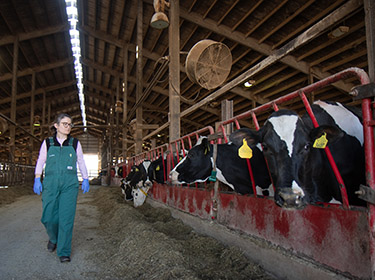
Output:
[[232, 170], [300, 172], [127, 182], [140, 182], [126, 189], [156, 170]]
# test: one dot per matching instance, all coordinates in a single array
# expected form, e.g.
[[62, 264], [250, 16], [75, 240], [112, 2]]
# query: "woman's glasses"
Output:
[[65, 124]]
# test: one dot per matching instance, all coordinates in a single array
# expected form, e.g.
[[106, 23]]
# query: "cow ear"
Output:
[[252, 137], [325, 134]]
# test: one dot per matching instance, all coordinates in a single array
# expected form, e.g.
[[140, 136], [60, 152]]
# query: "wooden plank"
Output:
[[174, 71], [302, 39]]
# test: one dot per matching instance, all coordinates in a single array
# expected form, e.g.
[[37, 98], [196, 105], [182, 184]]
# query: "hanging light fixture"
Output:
[[249, 83], [36, 121], [160, 20], [118, 106]]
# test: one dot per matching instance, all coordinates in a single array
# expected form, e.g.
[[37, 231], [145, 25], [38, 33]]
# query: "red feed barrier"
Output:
[[337, 237]]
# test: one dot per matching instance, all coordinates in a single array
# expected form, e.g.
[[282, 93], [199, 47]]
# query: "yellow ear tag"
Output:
[[321, 142], [157, 168], [245, 151], [136, 169]]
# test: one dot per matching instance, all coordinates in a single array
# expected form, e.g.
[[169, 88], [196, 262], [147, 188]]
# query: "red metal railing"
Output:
[[290, 229], [367, 120], [174, 145]]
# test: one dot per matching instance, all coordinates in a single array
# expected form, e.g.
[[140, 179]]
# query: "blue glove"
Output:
[[85, 185], [37, 186]]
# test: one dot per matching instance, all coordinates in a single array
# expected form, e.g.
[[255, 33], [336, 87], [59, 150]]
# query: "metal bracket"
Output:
[[363, 91], [366, 193]]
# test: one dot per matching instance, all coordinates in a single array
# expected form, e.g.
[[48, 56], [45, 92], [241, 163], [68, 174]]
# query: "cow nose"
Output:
[[148, 184], [289, 199], [173, 176]]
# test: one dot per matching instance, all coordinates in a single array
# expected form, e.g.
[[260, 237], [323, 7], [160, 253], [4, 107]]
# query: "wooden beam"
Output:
[[13, 103], [302, 39], [370, 37], [139, 56], [265, 49], [174, 71], [39, 91], [6, 40], [30, 71]]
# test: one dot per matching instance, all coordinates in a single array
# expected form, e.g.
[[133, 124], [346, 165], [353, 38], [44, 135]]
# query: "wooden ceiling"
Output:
[[253, 30]]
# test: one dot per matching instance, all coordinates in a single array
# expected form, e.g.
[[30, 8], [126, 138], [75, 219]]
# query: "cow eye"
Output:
[[306, 147]]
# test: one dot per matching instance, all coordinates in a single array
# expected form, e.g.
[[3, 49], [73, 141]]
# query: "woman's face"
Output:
[[64, 126]]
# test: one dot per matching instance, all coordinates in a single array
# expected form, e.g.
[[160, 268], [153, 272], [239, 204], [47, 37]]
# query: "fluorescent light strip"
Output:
[[72, 12]]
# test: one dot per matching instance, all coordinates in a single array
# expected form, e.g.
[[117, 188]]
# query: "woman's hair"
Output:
[[58, 119]]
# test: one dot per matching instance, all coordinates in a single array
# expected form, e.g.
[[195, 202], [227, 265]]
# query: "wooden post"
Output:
[[153, 143], [227, 113], [43, 131], [49, 119], [32, 109], [13, 106], [139, 111], [125, 104], [174, 70], [117, 133], [369, 6], [311, 81]]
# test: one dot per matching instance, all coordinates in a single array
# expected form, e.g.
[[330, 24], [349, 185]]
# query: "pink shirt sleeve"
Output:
[[43, 157], [81, 162]]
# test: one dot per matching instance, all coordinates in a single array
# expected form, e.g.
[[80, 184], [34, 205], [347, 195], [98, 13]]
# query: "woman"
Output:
[[60, 153]]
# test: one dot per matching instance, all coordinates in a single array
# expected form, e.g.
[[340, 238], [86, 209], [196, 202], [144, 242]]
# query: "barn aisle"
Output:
[[114, 240], [23, 242]]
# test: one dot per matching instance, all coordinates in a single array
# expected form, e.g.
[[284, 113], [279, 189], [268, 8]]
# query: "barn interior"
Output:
[[122, 73]]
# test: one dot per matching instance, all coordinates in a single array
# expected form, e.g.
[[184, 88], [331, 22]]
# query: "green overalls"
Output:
[[59, 196]]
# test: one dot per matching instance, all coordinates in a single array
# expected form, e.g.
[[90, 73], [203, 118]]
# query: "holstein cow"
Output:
[[125, 184], [140, 183], [232, 170], [298, 164], [126, 189], [156, 170], [159, 166]]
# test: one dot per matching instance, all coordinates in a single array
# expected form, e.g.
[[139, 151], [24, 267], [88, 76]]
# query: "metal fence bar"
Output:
[[15, 174]]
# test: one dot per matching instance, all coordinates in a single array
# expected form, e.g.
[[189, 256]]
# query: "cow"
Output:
[[294, 150], [143, 176], [232, 170], [140, 182], [156, 170], [126, 190], [126, 187]]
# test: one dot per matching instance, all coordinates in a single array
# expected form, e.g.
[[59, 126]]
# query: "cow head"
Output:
[[126, 189], [140, 176], [196, 166], [139, 182], [156, 170], [139, 195], [288, 148]]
